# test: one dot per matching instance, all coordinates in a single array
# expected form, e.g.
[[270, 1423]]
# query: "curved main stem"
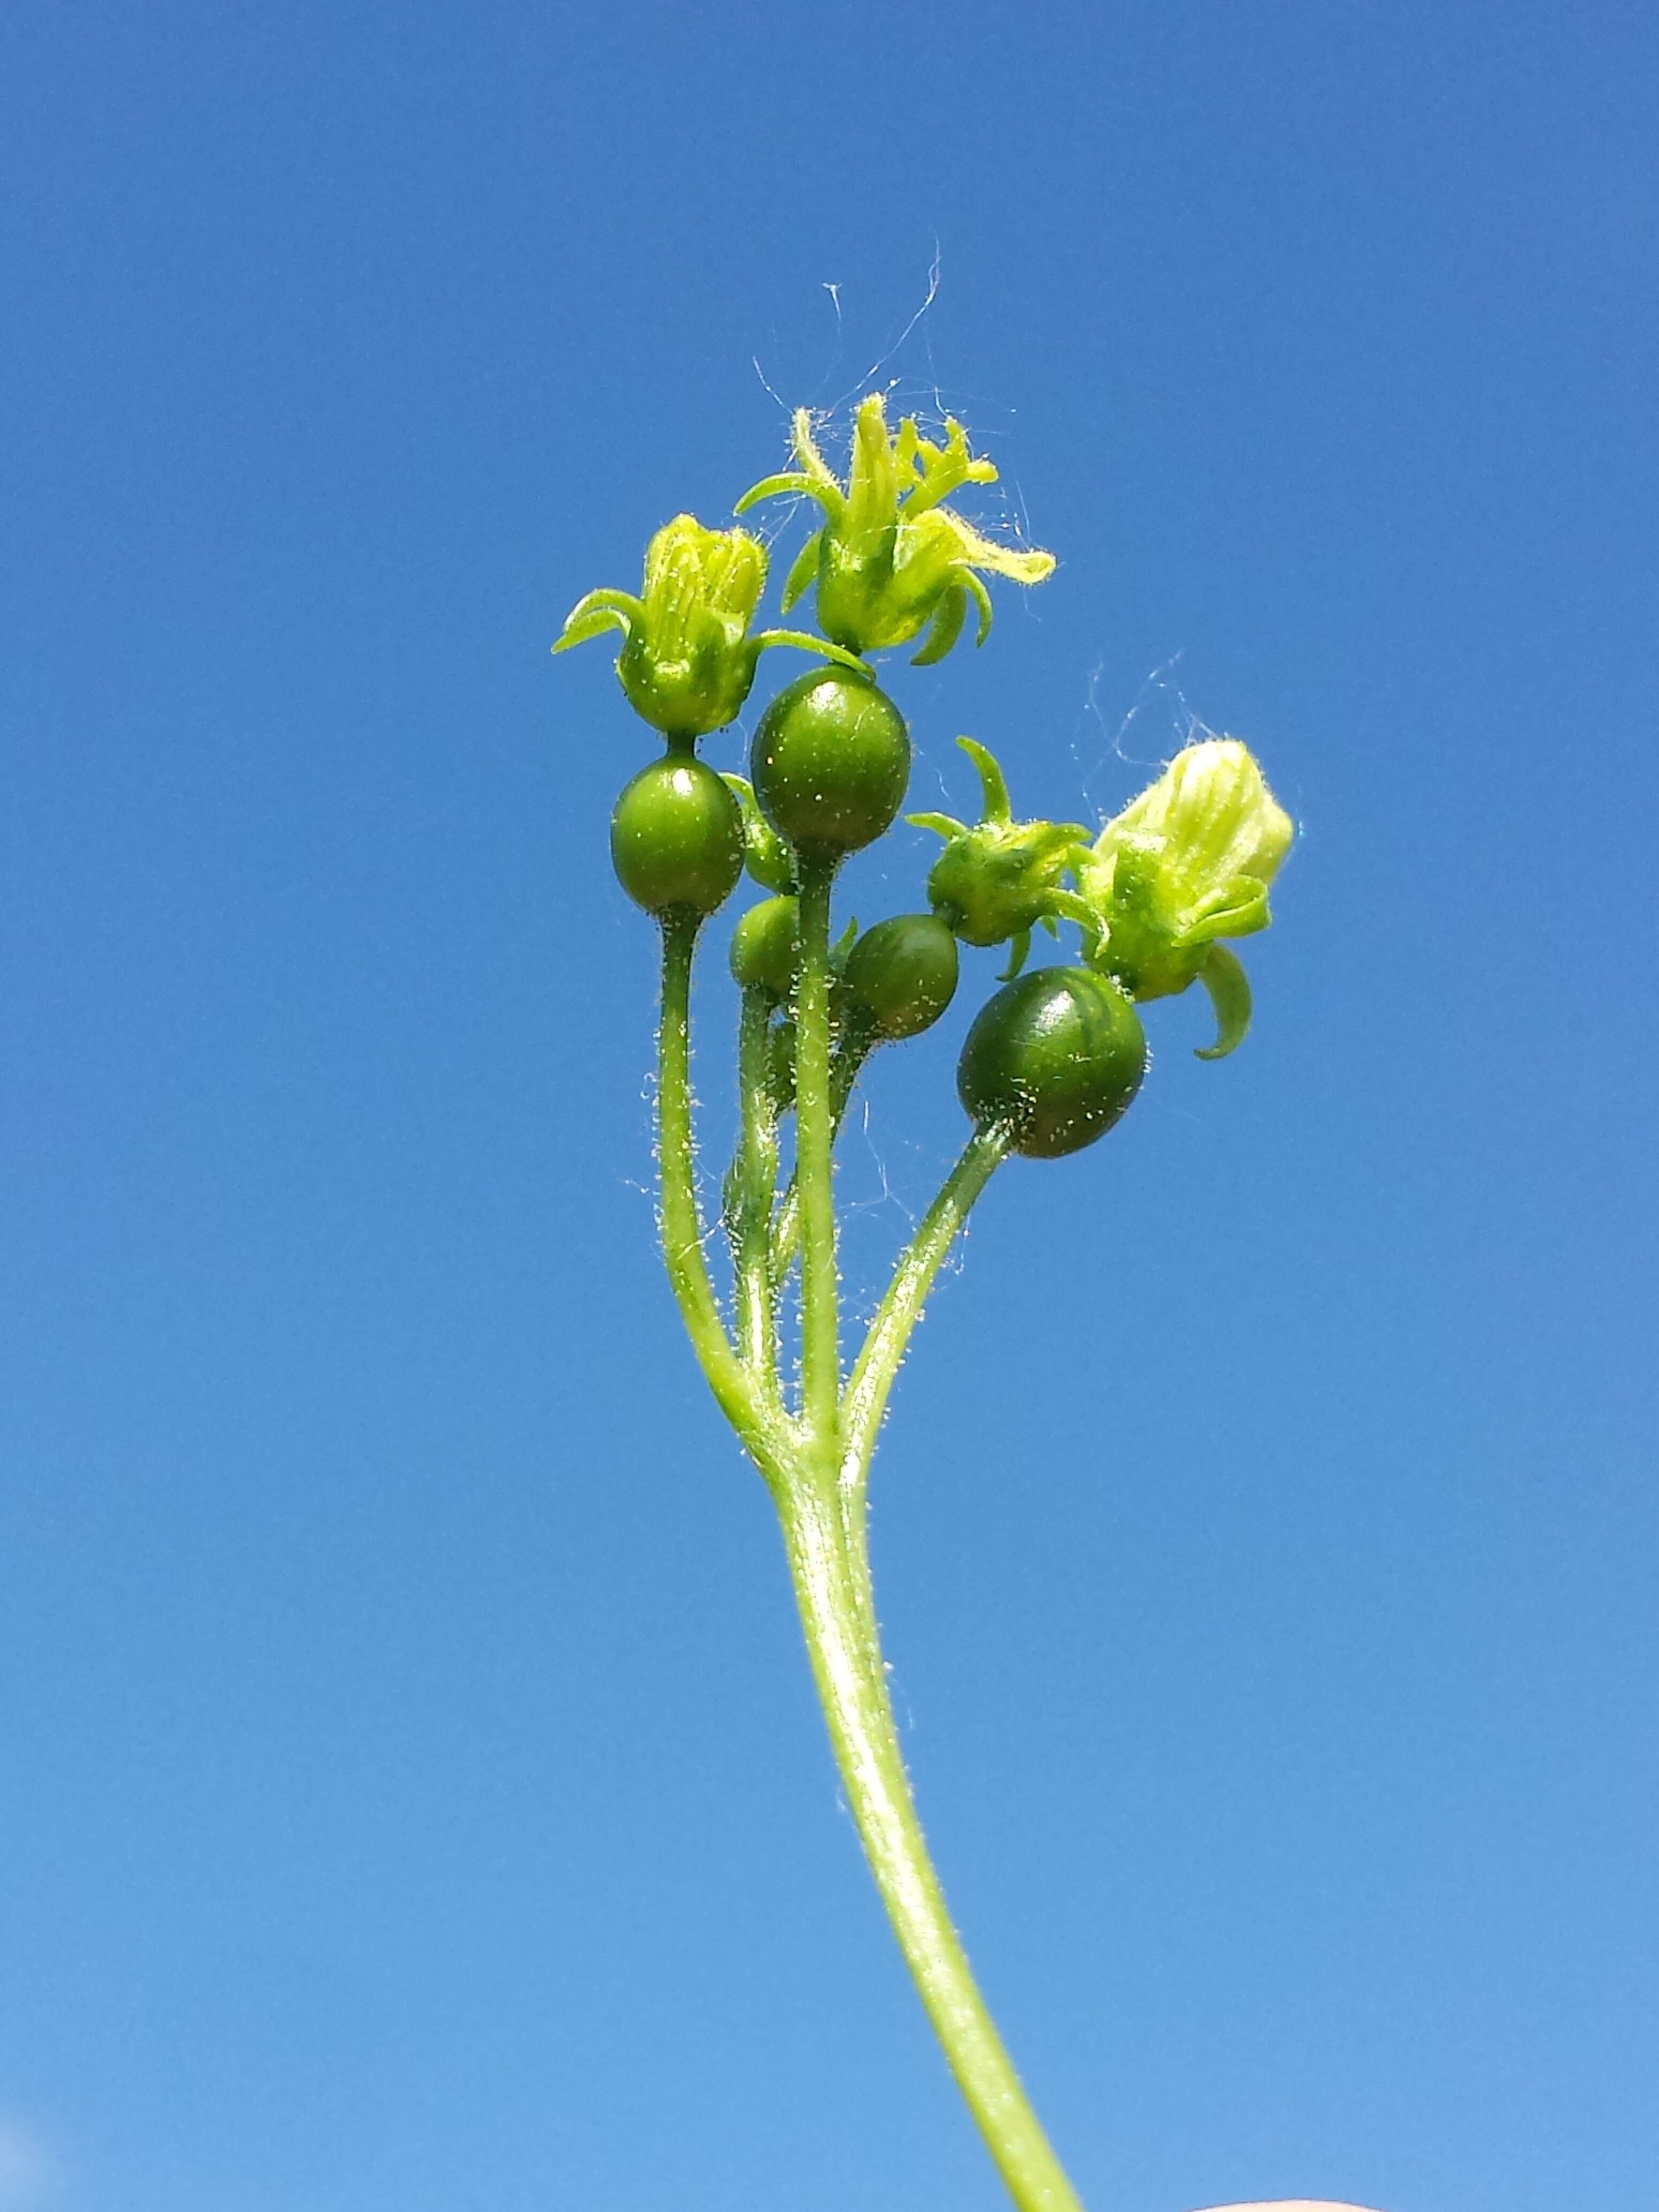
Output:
[[828, 1568]]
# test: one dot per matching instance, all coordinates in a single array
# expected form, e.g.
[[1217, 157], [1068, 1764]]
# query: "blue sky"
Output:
[[413, 1793]]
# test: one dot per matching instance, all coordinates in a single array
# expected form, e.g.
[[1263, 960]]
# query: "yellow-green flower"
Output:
[[890, 561], [1185, 866], [688, 661]]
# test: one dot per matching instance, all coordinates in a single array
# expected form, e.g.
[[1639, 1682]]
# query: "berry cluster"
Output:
[[1054, 1058]]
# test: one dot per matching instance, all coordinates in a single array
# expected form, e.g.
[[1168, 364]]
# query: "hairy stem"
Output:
[[817, 1468], [814, 1138], [750, 1186], [681, 1217], [845, 1065], [828, 1565], [867, 1395]]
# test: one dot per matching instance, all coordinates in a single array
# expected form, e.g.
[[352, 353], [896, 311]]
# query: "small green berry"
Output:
[[676, 838], [902, 974], [766, 947], [1055, 1057], [830, 761]]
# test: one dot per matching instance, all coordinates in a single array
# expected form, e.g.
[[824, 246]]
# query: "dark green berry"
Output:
[[676, 838], [902, 975], [766, 947], [830, 761], [1056, 1058]]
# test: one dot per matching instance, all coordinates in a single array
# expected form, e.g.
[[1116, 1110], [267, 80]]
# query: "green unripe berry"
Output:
[[830, 761], [766, 947], [1055, 1057], [676, 838], [903, 974]]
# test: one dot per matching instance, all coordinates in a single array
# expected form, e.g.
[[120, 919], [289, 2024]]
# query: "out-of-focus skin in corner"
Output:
[[1293, 2204]]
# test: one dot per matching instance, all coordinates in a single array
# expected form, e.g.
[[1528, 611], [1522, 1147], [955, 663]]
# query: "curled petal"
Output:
[[980, 552]]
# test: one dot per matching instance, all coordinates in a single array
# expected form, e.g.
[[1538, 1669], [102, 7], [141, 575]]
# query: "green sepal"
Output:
[[803, 570], [805, 642], [1018, 952], [794, 485], [1222, 974], [975, 590], [996, 805], [591, 616], [944, 628]]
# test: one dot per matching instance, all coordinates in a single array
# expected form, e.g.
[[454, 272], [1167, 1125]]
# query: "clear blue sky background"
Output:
[[412, 1794]]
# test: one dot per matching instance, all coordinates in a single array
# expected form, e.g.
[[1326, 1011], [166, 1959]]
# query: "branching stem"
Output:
[[817, 1464]]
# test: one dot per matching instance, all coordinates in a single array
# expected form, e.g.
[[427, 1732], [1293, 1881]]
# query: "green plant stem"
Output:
[[682, 1223], [828, 1565], [873, 1377], [817, 1470], [753, 1182], [845, 1065], [814, 1139]]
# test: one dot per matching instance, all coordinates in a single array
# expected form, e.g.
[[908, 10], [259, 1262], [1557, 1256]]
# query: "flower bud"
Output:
[[688, 661], [1188, 864], [890, 561]]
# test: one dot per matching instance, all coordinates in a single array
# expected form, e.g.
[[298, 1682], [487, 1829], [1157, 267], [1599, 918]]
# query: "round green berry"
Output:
[[1056, 1058], [766, 947], [902, 974], [830, 762], [676, 838]]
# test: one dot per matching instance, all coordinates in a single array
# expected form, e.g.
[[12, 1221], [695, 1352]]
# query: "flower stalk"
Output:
[[1050, 1063]]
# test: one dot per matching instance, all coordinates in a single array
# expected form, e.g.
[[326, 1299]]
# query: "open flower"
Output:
[[996, 880], [890, 561], [1184, 867], [688, 661]]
